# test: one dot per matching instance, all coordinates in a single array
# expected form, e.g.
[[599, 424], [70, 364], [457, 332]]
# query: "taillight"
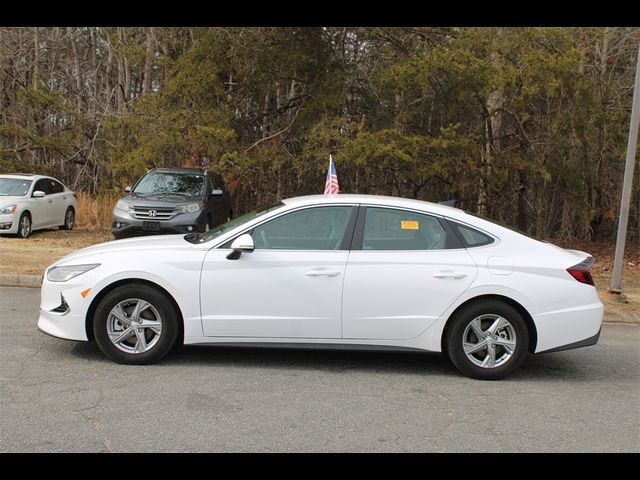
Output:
[[581, 271]]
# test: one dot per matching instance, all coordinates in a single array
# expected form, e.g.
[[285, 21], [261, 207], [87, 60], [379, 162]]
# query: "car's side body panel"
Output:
[[389, 299]]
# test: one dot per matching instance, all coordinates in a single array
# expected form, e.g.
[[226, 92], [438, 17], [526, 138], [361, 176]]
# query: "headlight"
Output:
[[8, 209], [62, 274], [192, 207], [124, 206]]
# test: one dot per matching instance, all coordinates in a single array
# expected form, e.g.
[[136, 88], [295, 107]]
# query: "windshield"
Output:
[[14, 187], [168, 182], [230, 225]]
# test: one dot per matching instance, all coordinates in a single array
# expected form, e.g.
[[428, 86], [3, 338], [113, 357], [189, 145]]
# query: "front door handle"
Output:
[[50, 201], [449, 274], [322, 272]]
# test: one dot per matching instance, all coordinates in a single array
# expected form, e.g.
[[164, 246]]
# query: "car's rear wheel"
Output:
[[487, 340], [24, 225], [69, 219], [135, 324]]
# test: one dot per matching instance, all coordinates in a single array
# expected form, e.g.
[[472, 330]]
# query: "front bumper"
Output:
[[8, 223], [123, 224], [67, 323]]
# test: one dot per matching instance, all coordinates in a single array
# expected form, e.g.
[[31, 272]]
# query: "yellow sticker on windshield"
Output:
[[409, 225]]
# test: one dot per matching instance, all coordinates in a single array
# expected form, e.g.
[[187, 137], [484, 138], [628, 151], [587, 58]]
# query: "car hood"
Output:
[[159, 199], [8, 199], [146, 244]]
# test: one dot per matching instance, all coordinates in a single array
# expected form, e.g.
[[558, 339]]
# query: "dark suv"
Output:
[[172, 200]]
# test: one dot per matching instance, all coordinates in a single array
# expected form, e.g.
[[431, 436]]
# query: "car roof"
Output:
[[200, 171], [23, 176], [375, 200]]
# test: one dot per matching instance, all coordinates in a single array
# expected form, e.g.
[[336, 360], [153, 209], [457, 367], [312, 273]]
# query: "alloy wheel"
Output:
[[25, 226], [489, 341], [134, 326]]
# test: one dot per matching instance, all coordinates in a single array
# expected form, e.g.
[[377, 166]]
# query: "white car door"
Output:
[[59, 203], [42, 208], [405, 269], [290, 286]]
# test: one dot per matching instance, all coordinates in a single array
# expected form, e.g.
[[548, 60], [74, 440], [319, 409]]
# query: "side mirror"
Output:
[[244, 243], [217, 192], [39, 194], [127, 188]]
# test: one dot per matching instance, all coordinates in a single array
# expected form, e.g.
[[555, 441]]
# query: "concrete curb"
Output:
[[35, 281], [15, 280]]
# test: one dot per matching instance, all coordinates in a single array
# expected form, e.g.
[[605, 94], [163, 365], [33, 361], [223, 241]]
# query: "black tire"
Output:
[[24, 225], [69, 219], [128, 295], [511, 340]]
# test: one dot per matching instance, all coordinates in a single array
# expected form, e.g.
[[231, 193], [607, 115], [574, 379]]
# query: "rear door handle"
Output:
[[322, 272], [50, 201], [449, 274]]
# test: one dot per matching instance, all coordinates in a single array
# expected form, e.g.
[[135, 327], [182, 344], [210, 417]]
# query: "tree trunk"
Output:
[[165, 53], [76, 69], [148, 64], [94, 74], [36, 49], [107, 77]]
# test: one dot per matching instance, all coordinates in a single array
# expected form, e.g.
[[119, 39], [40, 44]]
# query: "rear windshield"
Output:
[[168, 182], [14, 187]]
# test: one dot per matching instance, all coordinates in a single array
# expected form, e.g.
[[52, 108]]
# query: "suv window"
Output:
[[171, 182], [471, 237], [317, 228], [391, 229]]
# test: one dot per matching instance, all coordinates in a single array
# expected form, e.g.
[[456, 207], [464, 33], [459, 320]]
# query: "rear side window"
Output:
[[470, 236], [55, 187], [392, 229]]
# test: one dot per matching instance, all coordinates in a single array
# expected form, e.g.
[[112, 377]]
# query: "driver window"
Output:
[[320, 228], [43, 186], [390, 229]]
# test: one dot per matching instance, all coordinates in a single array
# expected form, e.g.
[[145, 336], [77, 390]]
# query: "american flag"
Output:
[[331, 186]]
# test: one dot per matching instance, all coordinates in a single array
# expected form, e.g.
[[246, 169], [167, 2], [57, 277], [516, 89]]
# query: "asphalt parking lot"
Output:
[[65, 396]]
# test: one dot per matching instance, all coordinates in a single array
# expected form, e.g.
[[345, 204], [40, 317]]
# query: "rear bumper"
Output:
[[587, 342], [569, 328]]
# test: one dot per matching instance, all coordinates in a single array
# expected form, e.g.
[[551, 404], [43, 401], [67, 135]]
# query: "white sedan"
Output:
[[343, 271], [31, 202]]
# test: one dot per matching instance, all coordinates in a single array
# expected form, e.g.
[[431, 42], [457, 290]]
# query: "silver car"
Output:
[[31, 202]]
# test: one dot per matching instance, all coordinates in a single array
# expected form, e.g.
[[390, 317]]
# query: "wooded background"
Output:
[[527, 126]]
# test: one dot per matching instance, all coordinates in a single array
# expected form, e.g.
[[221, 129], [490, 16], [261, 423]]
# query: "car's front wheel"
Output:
[[135, 324], [24, 225], [487, 340]]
